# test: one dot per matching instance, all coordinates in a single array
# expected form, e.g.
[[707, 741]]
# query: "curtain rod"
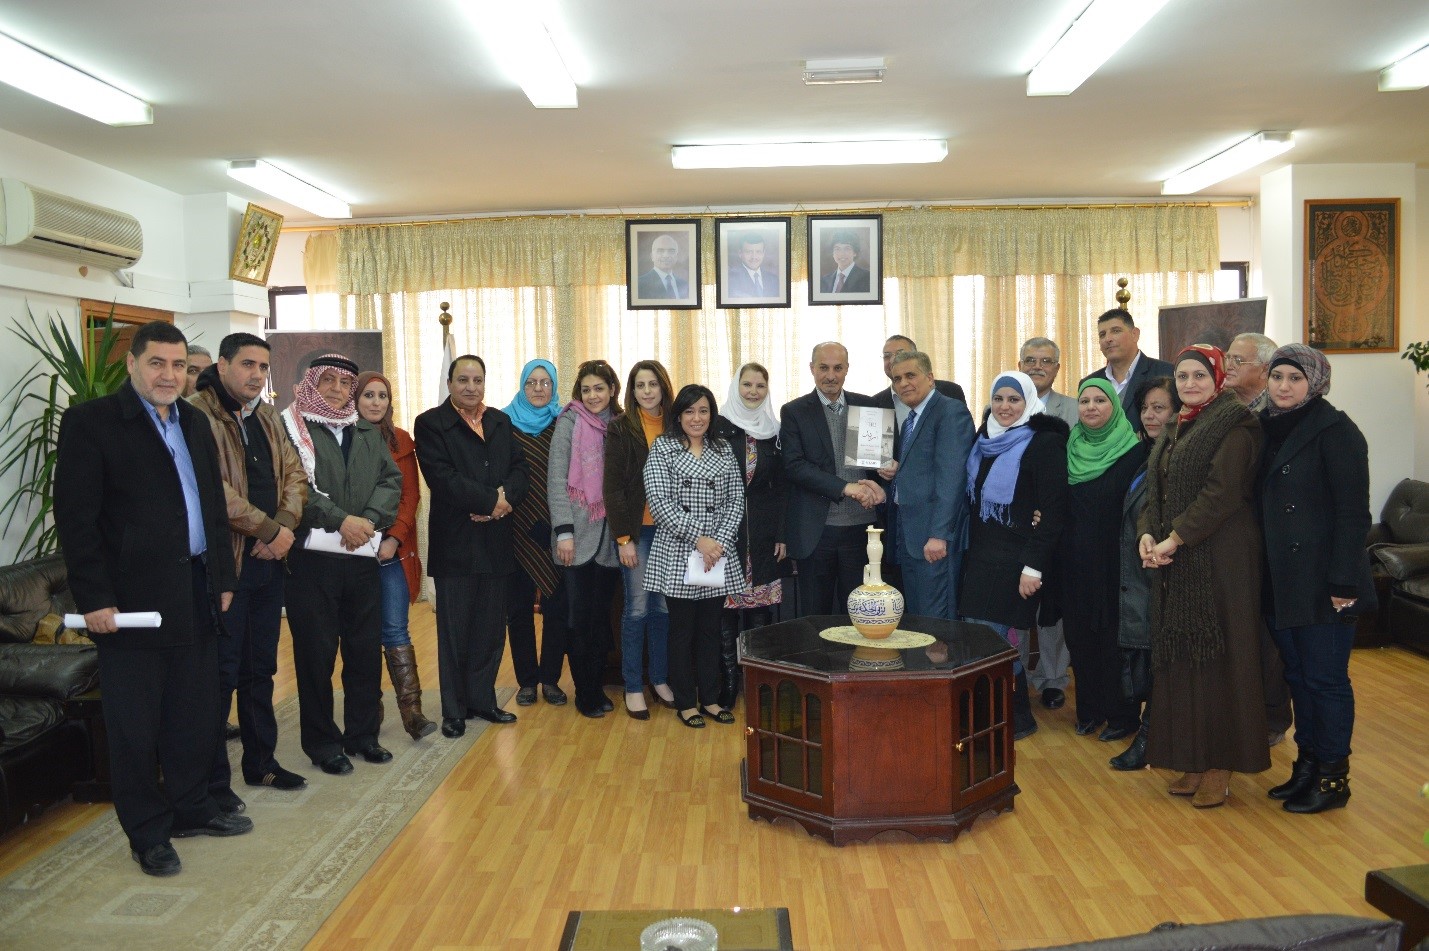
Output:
[[872, 209]]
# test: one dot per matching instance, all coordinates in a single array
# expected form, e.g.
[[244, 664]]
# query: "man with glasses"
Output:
[[1041, 360], [1248, 369]]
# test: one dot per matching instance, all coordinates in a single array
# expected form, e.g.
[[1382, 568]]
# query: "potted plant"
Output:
[[1418, 354], [59, 378]]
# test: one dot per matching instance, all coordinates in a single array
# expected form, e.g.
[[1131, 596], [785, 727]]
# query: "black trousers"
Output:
[[694, 650], [590, 589], [335, 604], [471, 620], [158, 712], [247, 661], [1096, 659], [1278, 713], [521, 630], [832, 571]]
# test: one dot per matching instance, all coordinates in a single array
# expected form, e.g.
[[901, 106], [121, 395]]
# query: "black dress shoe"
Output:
[[279, 778], [158, 859], [553, 695], [1115, 733], [526, 696], [495, 715], [1053, 698], [594, 711], [229, 802], [338, 765], [453, 727], [221, 825], [373, 754], [1088, 727]]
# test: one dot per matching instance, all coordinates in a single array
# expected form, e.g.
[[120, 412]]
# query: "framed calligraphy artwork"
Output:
[[1352, 275]]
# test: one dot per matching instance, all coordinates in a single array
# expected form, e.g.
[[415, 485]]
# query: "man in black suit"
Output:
[[1127, 368], [749, 279], [140, 512], [829, 506], [661, 282], [846, 277]]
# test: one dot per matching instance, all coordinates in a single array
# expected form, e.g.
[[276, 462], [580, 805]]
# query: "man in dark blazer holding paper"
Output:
[[830, 506], [141, 517], [928, 508]]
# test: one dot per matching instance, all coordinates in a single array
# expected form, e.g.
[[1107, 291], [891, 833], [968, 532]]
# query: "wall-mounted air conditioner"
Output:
[[33, 219]]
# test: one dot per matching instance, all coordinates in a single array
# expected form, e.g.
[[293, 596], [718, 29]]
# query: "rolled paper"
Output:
[[122, 619]]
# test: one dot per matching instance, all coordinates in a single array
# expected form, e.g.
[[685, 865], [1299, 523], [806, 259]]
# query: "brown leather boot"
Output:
[[402, 668], [1214, 790], [1185, 785]]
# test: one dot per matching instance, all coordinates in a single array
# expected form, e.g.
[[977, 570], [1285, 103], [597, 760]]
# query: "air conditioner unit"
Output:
[[43, 222]]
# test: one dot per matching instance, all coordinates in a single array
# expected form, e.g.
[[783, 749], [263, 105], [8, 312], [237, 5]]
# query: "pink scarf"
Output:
[[586, 477]]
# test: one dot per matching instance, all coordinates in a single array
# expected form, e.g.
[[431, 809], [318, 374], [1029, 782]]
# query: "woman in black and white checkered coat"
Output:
[[695, 489]]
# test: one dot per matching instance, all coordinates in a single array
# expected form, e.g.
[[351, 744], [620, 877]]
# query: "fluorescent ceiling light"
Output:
[[1412, 72], [44, 76], [519, 40], [272, 180], [778, 154], [1098, 33], [832, 72], [1246, 154]]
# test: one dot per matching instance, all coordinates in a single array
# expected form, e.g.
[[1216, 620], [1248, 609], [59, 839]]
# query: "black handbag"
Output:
[[1135, 673]]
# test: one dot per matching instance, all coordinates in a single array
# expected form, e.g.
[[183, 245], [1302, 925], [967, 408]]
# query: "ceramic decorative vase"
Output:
[[875, 608]]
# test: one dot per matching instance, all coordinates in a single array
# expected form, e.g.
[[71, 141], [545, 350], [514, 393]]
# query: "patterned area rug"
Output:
[[269, 889]]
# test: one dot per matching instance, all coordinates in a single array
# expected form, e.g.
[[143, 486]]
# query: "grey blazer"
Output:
[[592, 538]]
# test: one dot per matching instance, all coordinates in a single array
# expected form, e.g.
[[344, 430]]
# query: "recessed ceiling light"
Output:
[[834, 72], [1245, 154], [271, 180], [1412, 72], [46, 77], [1090, 41], [779, 154]]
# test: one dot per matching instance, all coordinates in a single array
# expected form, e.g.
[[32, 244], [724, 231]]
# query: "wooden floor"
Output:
[[558, 812]]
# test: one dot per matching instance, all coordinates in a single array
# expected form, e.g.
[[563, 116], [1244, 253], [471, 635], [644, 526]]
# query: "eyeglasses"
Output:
[[1039, 362], [538, 384], [1241, 361]]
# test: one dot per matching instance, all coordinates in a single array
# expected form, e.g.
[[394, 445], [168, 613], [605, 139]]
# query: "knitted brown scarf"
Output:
[[1183, 599]]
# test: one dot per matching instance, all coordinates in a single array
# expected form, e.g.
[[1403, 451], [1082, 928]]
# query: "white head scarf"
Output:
[[761, 423], [1033, 403]]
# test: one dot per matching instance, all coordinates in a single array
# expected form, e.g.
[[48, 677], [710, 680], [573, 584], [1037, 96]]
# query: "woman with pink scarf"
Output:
[[581, 539]]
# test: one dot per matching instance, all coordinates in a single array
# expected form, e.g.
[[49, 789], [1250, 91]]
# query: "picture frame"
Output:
[[752, 262], [256, 245], [662, 263], [862, 272], [1352, 275]]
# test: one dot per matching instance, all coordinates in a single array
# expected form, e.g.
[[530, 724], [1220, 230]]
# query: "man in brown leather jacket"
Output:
[[264, 487]]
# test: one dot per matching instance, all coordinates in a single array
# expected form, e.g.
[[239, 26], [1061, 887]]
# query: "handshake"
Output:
[[865, 492]]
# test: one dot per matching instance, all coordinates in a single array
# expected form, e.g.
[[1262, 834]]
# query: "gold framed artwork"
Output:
[[1352, 275], [257, 242]]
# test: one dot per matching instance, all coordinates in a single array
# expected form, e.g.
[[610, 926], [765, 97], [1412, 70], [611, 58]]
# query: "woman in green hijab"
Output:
[[1103, 456]]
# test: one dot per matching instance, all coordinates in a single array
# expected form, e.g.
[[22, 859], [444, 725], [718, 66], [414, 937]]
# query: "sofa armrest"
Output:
[[1378, 535], [57, 671], [1403, 562]]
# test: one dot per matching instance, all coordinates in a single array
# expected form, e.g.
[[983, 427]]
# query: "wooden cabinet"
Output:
[[849, 754]]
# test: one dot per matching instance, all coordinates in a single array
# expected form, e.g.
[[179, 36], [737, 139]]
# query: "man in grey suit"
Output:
[[1127, 368], [661, 282], [748, 279], [928, 507], [1041, 360]]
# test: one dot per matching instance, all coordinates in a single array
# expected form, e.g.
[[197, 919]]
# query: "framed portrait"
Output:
[[752, 258], [1352, 275], [1216, 323], [662, 263], [845, 259], [257, 242]]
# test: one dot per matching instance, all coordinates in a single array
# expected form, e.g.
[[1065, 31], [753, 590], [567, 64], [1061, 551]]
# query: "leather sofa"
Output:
[[1399, 544], [1288, 933], [47, 741]]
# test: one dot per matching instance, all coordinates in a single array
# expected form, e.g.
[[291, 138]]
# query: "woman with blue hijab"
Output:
[[1017, 470], [533, 414]]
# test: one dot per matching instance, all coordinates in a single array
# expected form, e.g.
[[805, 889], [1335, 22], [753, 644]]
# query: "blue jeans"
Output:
[[1317, 668], [644, 623], [395, 600], [1004, 632]]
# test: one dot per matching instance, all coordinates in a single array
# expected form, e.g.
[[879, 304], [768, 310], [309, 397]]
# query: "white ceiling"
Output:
[[398, 107]]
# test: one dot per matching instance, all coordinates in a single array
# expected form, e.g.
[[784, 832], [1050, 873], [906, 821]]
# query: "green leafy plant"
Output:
[[59, 378], [1418, 354]]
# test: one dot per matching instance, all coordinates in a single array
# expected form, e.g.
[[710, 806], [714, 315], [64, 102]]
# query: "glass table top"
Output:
[[798, 644]]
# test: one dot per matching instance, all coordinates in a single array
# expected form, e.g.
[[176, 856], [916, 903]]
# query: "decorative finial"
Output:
[[446, 317], [1123, 296]]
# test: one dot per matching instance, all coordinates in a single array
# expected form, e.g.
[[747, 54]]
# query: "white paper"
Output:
[[869, 441], [696, 575], [331, 542], [122, 619]]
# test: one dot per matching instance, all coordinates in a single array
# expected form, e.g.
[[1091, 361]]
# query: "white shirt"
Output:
[[1120, 385]]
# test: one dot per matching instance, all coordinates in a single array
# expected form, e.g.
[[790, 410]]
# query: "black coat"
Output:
[[1314, 511], [997, 553], [463, 471], [119, 511], [1089, 557], [1134, 616], [811, 469], [764, 498]]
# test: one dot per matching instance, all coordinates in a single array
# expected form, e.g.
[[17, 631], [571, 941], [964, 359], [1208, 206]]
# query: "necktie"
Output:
[[758, 285], [839, 282], [670, 286], [907, 430]]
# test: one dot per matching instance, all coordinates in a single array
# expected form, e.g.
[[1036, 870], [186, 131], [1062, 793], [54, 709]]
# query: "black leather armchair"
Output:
[[1399, 544]]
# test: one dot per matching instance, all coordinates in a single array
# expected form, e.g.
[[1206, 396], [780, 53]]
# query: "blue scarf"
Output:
[[527, 418], [1006, 448]]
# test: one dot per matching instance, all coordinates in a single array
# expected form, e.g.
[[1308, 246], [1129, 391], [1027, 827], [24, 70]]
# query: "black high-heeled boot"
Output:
[[1302, 777], [729, 658], [1024, 724], [1135, 755], [1330, 790]]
